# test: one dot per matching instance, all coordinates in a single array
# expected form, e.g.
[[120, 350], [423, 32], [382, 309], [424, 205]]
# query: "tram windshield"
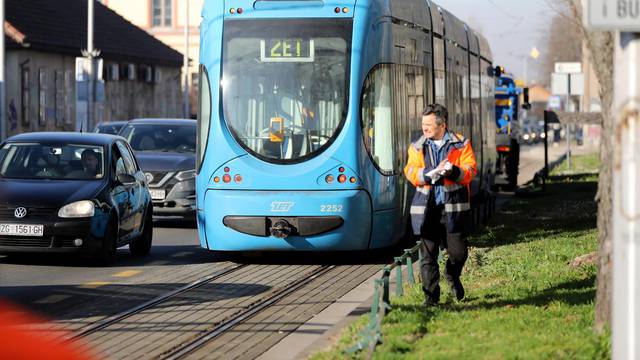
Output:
[[285, 85]]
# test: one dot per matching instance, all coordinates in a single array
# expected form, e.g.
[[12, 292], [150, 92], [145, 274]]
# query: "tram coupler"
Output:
[[281, 229]]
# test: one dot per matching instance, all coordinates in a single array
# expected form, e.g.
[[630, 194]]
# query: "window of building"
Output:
[[42, 96], [69, 85], [162, 13], [26, 75], [59, 97]]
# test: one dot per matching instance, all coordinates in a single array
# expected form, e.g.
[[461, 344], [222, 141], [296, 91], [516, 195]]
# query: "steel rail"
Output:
[[250, 311], [97, 326]]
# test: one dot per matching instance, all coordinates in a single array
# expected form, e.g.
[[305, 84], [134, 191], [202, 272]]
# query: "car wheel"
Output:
[[107, 255], [142, 244]]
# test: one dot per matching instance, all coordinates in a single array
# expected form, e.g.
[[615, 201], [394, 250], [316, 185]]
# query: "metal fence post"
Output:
[[398, 262], [375, 306], [386, 302], [410, 278]]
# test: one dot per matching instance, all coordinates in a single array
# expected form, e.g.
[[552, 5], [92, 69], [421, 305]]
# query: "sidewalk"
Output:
[[321, 331], [532, 157]]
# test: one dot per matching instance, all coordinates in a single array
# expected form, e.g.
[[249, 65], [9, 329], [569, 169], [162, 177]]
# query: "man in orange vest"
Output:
[[441, 165]]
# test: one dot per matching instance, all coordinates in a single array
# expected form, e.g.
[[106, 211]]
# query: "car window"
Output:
[[119, 165], [107, 128], [158, 137], [132, 155], [51, 161], [128, 159]]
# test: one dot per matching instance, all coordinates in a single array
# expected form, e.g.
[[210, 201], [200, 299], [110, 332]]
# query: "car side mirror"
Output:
[[126, 179]]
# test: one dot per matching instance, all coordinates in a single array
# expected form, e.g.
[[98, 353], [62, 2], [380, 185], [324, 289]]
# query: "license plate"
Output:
[[21, 230], [157, 194]]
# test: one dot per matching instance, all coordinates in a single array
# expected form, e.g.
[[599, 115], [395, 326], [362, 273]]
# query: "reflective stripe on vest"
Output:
[[457, 207], [423, 190], [417, 210]]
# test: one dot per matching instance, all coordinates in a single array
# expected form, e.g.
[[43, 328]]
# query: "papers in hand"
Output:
[[436, 173]]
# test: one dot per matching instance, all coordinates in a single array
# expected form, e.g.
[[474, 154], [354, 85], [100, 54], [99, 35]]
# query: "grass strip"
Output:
[[524, 300]]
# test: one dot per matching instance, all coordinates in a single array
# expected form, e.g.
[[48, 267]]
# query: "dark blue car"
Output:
[[73, 192]]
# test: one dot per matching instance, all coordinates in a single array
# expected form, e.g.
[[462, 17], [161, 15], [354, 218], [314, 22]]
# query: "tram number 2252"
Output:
[[330, 208]]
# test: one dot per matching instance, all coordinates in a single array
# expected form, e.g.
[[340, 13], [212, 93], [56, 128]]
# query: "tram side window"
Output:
[[439, 70], [204, 115], [377, 120]]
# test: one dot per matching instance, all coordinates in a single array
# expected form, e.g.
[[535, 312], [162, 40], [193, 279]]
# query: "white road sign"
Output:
[[559, 84], [577, 84], [621, 15], [569, 67]]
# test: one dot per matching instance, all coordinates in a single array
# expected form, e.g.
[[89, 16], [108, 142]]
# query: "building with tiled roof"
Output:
[[140, 76], [166, 20]]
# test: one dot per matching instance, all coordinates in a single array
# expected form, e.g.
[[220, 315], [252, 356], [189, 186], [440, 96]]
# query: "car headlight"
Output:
[[186, 175], [78, 209], [526, 136]]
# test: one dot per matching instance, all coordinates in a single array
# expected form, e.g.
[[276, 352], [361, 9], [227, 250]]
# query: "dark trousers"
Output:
[[433, 233]]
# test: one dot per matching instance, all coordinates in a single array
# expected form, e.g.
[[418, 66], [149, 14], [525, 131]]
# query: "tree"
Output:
[[563, 43], [600, 45]]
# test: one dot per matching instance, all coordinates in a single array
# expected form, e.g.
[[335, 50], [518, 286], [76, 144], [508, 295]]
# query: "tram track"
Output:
[[161, 327], [183, 350], [104, 323]]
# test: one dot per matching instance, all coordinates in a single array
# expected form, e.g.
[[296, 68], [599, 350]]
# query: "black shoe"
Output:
[[430, 302], [457, 289], [431, 298]]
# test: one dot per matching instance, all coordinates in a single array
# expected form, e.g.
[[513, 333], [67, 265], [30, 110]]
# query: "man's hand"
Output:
[[443, 168]]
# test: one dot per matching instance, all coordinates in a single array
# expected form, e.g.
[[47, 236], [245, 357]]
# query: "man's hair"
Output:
[[89, 152], [441, 113]]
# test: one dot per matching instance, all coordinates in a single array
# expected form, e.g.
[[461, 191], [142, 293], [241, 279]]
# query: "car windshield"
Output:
[[160, 137], [51, 161], [107, 128]]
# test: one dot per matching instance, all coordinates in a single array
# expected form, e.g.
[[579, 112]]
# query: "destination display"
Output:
[[287, 50]]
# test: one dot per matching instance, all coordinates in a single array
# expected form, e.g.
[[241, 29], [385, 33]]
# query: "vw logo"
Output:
[[20, 212], [148, 177]]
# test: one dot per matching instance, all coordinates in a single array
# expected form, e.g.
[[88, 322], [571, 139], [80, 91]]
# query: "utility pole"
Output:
[[3, 113], [88, 125], [185, 60], [626, 198], [568, 126]]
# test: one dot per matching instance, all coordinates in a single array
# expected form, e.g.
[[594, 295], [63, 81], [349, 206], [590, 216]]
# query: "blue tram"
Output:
[[307, 108]]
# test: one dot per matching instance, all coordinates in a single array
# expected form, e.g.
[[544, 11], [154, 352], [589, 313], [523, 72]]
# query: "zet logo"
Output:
[[281, 206]]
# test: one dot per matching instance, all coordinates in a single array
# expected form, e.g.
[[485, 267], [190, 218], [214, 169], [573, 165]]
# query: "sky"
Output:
[[512, 28]]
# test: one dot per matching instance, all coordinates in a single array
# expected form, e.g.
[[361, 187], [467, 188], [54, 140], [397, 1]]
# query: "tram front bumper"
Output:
[[235, 220]]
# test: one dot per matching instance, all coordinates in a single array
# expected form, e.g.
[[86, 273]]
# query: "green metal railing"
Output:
[[371, 335]]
